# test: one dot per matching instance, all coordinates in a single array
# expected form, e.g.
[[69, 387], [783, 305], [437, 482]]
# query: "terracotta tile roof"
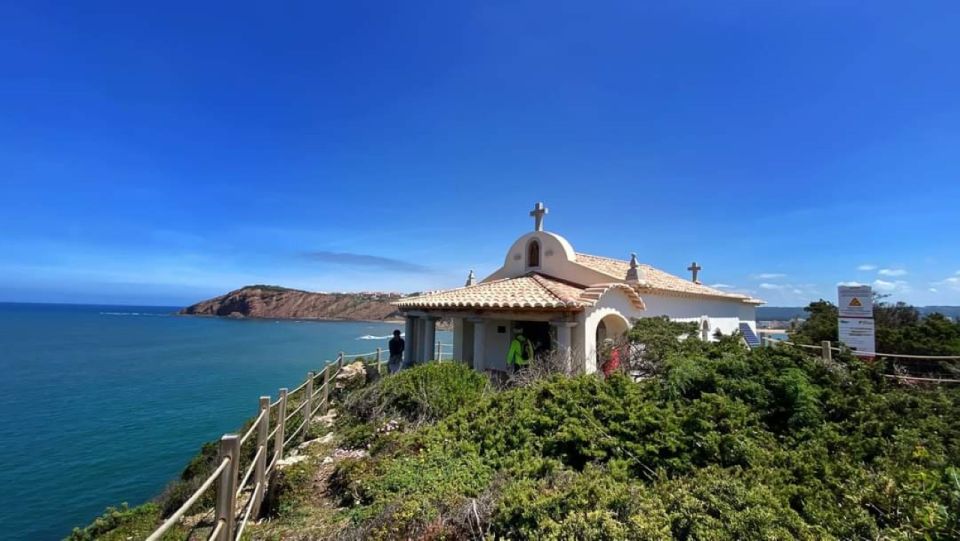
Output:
[[530, 291], [656, 279]]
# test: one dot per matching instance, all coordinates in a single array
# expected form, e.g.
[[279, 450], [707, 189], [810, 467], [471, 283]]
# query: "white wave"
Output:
[[152, 314], [371, 337]]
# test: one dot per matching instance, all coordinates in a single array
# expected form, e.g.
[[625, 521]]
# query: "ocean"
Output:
[[105, 404]]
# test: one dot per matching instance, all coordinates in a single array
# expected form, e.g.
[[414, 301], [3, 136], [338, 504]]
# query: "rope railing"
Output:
[[295, 411], [868, 353], [298, 389], [215, 534], [295, 432], [175, 517], [250, 469], [253, 427], [256, 476], [246, 514], [827, 349]]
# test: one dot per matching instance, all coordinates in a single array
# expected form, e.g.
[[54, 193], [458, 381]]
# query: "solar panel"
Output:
[[749, 336]]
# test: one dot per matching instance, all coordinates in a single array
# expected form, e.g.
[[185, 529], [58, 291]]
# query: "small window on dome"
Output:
[[533, 254]]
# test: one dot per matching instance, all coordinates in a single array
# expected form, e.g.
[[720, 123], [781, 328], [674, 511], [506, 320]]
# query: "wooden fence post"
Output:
[[260, 470], [326, 388], [826, 351], [227, 492], [281, 424], [308, 409]]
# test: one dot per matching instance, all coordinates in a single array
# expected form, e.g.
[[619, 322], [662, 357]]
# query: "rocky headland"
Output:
[[274, 302]]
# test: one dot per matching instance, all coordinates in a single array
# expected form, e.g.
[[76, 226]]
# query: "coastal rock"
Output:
[[327, 419], [291, 460]]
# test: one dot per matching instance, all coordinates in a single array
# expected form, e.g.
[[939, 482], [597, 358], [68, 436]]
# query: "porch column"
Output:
[[479, 344], [458, 331], [564, 341], [429, 338], [409, 334]]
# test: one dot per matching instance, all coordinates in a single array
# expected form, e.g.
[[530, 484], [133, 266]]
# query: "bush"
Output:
[[424, 393], [727, 444], [122, 523]]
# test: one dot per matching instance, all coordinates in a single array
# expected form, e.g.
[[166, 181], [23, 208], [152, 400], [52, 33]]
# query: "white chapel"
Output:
[[566, 301]]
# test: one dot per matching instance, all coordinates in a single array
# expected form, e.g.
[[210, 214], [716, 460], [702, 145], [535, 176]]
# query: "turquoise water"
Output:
[[105, 404]]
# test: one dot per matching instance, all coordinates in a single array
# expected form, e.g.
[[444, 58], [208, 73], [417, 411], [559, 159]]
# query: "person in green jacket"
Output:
[[521, 351]]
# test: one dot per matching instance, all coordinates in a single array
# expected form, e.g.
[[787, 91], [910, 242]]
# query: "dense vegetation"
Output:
[[722, 443], [725, 444]]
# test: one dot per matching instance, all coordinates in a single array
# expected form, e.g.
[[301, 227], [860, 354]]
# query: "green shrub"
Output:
[[726, 444], [122, 523], [426, 392]]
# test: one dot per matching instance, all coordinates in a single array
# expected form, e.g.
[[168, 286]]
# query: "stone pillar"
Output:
[[429, 338], [479, 344], [410, 347], [564, 331]]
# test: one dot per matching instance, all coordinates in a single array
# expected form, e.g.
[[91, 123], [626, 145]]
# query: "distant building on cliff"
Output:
[[566, 301]]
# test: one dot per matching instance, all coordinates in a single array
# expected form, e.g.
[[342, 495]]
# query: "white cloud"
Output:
[[722, 286], [953, 282], [896, 286], [892, 272], [867, 267], [771, 286], [850, 284], [932, 290], [768, 276], [797, 292]]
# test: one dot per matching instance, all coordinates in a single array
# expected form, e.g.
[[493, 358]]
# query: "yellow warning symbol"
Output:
[[855, 302]]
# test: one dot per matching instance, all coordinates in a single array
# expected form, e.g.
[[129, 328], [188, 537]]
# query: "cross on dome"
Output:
[[538, 212], [695, 269]]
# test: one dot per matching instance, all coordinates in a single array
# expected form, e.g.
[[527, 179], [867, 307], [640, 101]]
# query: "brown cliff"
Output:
[[273, 302]]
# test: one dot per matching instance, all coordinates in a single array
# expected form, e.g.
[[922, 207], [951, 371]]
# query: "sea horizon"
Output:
[[122, 396]]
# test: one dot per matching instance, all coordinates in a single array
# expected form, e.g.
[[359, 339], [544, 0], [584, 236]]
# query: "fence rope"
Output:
[[295, 411], [167, 524], [914, 378], [208, 482], [246, 514], [871, 353], [246, 476], [295, 432], [216, 531], [253, 427]]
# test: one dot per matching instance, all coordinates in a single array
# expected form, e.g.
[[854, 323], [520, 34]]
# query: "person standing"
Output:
[[521, 351], [396, 352], [613, 360]]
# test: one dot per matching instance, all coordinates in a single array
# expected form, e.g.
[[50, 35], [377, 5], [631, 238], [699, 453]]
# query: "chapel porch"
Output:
[[482, 338]]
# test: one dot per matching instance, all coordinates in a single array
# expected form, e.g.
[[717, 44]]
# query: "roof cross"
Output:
[[695, 269], [538, 211]]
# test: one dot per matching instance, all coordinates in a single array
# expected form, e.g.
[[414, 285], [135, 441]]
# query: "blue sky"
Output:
[[163, 153]]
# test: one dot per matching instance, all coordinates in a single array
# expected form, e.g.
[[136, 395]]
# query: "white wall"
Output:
[[496, 344], [723, 315]]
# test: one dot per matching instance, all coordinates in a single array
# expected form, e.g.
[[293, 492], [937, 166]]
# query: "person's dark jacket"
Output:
[[396, 345]]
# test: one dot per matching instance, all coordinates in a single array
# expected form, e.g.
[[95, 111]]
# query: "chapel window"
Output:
[[533, 254]]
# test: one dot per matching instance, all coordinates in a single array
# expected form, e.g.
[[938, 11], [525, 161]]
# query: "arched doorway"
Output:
[[613, 326]]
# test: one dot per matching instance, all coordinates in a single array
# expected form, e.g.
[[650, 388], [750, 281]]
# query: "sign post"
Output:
[[856, 328]]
